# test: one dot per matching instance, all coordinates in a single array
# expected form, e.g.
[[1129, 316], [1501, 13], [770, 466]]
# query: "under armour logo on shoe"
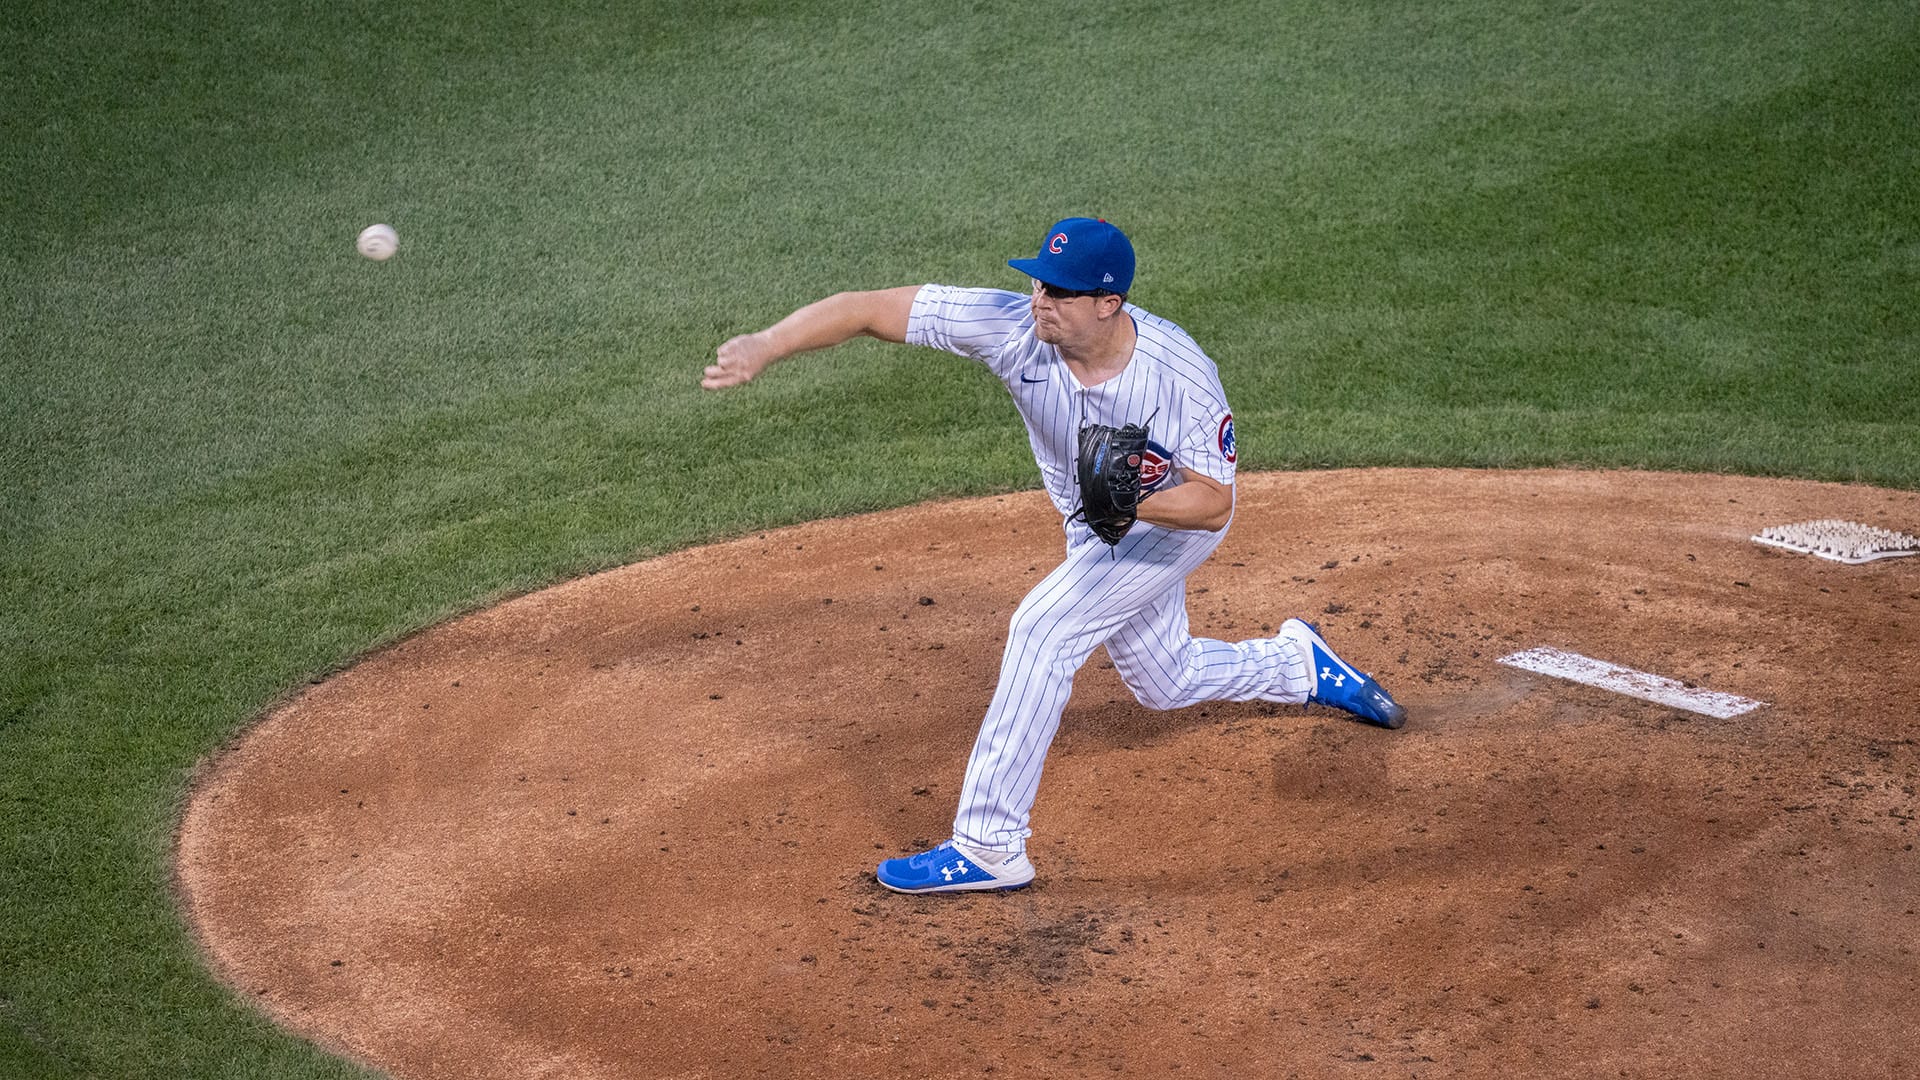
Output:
[[960, 868], [1338, 680]]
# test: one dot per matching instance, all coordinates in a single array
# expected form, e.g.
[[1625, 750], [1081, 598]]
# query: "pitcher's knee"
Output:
[[1174, 684], [1159, 697], [1164, 689]]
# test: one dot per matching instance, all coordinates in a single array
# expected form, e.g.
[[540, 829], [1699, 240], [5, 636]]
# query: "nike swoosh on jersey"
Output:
[[1024, 379]]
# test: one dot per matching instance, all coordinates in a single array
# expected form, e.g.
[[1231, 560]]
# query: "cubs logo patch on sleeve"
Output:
[[1228, 447]]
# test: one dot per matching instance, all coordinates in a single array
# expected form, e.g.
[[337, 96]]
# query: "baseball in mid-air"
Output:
[[378, 242]]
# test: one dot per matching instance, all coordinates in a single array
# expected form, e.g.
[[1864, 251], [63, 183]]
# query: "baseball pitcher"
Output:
[[1135, 443]]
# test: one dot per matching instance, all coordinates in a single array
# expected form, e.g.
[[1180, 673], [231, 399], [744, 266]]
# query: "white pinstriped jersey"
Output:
[[1169, 382]]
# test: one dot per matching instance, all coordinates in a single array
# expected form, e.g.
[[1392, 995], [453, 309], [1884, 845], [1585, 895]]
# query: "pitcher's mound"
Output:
[[626, 827]]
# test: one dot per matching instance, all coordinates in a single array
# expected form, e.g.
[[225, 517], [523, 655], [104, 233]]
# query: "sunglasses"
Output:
[[1055, 292]]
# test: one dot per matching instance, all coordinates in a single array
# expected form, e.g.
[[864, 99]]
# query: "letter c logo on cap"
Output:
[[1057, 242]]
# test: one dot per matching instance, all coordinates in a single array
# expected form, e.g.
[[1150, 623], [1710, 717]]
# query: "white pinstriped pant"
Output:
[[1136, 605]]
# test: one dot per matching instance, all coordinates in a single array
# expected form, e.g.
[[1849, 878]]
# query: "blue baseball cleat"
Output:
[[947, 869], [1338, 683]]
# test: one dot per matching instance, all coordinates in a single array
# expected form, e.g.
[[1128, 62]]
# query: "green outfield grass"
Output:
[[236, 455]]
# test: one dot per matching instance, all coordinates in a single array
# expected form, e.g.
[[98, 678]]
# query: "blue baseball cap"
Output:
[[1082, 254]]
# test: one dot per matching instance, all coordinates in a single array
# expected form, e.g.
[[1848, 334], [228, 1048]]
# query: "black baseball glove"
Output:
[[1109, 466]]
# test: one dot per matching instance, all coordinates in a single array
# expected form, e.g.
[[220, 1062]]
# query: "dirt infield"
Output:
[[626, 827]]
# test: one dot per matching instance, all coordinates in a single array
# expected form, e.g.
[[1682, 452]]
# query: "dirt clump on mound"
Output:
[[627, 826]]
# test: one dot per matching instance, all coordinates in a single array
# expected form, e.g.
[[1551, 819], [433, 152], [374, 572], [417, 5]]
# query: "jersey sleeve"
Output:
[[1207, 445], [975, 323]]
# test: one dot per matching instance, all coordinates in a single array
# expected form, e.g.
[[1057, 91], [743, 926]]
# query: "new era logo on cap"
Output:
[[1083, 254]]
